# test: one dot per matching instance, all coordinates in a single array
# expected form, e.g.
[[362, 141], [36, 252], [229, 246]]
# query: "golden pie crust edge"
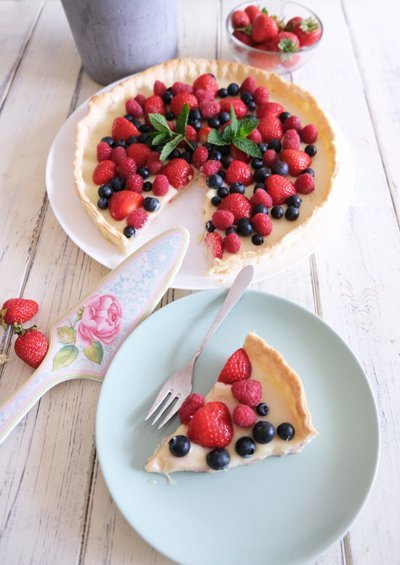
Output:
[[187, 70]]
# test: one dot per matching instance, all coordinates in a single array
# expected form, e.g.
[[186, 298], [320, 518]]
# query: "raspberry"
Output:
[[137, 218], [231, 243], [103, 151], [206, 82], [210, 109], [255, 136], [134, 183], [126, 167], [244, 416], [261, 197], [160, 185], [247, 391], [104, 172], [140, 99], [204, 96], [270, 157], [261, 95], [304, 183], [179, 87], [222, 219], [153, 162], [139, 152], [159, 88], [192, 403], [309, 133], [118, 154], [133, 108], [249, 85], [211, 167], [200, 156], [293, 122], [262, 224], [154, 105], [291, 139]]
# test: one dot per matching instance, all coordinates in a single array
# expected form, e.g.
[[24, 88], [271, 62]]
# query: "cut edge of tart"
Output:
[[282, 390], [105, 107]]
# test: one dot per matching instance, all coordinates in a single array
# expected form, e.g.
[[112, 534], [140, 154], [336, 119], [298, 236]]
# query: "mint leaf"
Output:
[[182, 119], [246, 126], [170, 146], [215, 138], [159, 123], [231, 131], [160, 138], [248, 146]]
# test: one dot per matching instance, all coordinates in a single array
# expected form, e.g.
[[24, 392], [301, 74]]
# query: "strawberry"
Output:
[[190, 405], [200, 156], [239, 18], [17, 311], [153, 162], [137, 218], [249, 85], [287, 42], [252, 11], [297, 160], [178, 102], [269, 109], [179, 87], [270, 128], [123, 202], [154, 105], [103, 151], [178, 172], [134, 183], [264, 28], [160, 185], [280, 188], [292, 23], [261, 197], [123, 129], [291, 139], [304, 183], [239, 155], [292, 122], [31, 346], [270, 157], [222, 219], [248, 392], [262, 224], [231, 243], [210, 109], [255, 136], [243, 37], [104, 172], [133, 108], [127, 167], [159, 88], [211, 167], [309, 133], [118, 154], [203, 133], [238, 105], [237, 368], [261, 95], [211, 425], [244, 416], [238, 204], [266, 61], [238, 172], [206, 82], [191, 133], [139, 152], [213, 242], [307, 30]]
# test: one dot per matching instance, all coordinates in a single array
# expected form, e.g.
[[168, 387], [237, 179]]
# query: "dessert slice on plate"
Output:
[[256, 409]]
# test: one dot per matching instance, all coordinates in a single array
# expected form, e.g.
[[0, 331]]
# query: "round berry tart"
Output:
[[261, 149], [256, 409]]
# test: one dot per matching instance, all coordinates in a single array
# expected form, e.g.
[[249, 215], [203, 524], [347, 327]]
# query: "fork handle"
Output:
[[239, 285]]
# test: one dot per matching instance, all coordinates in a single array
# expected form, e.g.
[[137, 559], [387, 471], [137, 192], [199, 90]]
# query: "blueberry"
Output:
[[151, 204], [280, 168], [222, 174], [277, 212], [232, 229], [132, 139], [129, 231], [223, 191], [196, 124], [260, 175], [167, 97], [147, 186], [175, 154], [108, 140], [257, 163], [292, 213], [275, 144], [263, 147], [143, 172], [214, 181], [225, 150], [158, 148], [195, 114], [284, 116], [187, 156], [143, 137], [227, 160], [105, 191], [309, 170], [259, 185], [294, 200], [145, 128], [179, 446], [310, 150], [244, 227], [215, 155], [224, 117], [233, 89], [237, 187], [214, 123], [262, 409], [137, 123], [119, 143], [215, 200], [210, 227], [259, 209], [263, 431], [117, 183], [252, 105], [285, 431], [170, 116], [246, 97], [218, 459], [257, 239], [102, 203], [223, 92], [245, 447], [129, 117]]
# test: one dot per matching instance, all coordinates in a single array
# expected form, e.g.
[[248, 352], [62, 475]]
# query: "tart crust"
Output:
[[284, 392], [103, 108]]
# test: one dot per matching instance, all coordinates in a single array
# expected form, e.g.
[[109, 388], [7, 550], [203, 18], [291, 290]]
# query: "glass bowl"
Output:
[[277, 62]]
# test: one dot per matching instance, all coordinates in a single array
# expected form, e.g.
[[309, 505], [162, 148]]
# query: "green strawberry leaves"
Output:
[[165, 136], [237, 133]]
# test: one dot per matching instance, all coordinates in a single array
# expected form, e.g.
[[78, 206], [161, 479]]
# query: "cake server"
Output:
[[83, 342]]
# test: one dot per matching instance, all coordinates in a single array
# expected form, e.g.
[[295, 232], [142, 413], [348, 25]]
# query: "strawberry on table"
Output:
[[17, 311], [237, 368], [178, 172], [123, 202], [279, 188], [31, 346], [211, 425]]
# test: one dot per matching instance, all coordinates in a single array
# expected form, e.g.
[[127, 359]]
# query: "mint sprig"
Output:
[[236, 133], [163, 134]]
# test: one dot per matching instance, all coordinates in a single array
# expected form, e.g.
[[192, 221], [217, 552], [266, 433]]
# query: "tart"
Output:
[[256, 409], [266, 196]]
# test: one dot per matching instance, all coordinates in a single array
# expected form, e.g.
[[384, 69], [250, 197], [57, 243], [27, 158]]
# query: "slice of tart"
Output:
[[256, 409], [260, 149]]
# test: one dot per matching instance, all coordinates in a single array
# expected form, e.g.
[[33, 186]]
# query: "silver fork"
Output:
[[179, 385]]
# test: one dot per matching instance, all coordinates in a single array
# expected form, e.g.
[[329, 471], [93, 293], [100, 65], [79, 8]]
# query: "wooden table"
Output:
[[54, 506]]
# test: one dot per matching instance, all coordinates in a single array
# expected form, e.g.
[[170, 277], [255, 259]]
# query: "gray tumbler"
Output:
[[116, 38]]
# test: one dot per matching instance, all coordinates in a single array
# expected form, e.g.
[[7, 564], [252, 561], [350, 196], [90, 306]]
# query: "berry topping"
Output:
[[247, 392], [231, 243], [137, 218], [291, 139], [151, 204], [104, 172], [249, 85], [211, 425], [200, 156], [270, 128], [214, 181], [293, 122], [285, 431], [261, 95], [245, 447], [154, 105], [260, 196], [118, 154], [238, 204], [304, 183], [270, 109], [133, 108], [280, 168], [279, 188], [294, 200], [160, 185], [309, 133], [191, 404], [123, 202], [244, 227], [178, 172], [180, 87], [103, 151], [159, 88], [17, 311], [180, 100], [237, 187], [263, 431], [296, 160], [292, 213], [238, 105], [211, 167], [257, 239], [129, 231], [179, 446], [222, 219], [244, 416], [237, 368], [218, 459], [126, 167], [206, 82], [31, 346], [213, 241], [139, 152], [210, 109], [153, 162], [270, 157], [238, 172], [123, 129], [277, 212], [262, 409], [262, 224]]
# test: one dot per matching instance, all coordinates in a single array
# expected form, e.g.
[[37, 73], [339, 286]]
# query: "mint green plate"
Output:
[[278, 511]]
